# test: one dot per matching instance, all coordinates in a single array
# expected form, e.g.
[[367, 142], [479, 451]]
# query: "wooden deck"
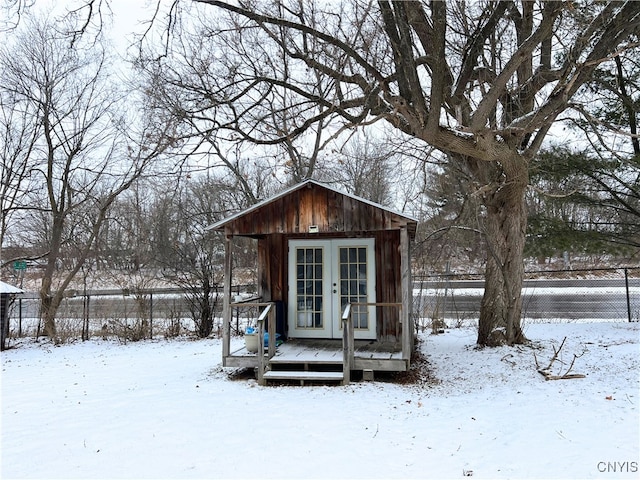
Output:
[[369, 355]]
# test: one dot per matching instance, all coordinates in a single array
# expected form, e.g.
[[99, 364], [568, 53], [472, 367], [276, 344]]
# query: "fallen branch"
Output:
[[546, 372], [506, 359], [566, 376]]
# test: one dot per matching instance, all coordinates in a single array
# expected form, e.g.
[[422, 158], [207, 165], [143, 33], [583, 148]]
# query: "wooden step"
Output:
[[303, 375], [305, 361]]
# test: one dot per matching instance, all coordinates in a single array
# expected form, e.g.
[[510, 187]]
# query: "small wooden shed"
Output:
[[7, 293], [334, 277]]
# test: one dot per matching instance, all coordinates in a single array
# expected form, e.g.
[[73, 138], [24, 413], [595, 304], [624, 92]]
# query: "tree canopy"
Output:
[[483, 82]]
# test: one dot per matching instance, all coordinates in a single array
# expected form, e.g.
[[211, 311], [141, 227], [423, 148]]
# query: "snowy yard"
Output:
[[166, 409]]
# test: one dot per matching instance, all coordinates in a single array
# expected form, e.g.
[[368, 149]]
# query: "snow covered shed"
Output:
[[336, 270], [7, 293]]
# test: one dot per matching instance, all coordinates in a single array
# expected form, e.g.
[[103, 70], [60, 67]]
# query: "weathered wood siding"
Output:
[[388, 284], [313, 205], [272, 268], [273, 275], [333, 215]]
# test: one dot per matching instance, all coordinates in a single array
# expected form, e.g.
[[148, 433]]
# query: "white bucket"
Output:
[[251, 342]]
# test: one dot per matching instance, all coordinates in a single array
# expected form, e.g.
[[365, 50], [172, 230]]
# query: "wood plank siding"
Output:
[[329, 210], [273, 274], [312, 210]]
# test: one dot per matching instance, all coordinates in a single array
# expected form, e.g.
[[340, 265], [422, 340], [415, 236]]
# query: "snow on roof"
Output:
[[6, 288]]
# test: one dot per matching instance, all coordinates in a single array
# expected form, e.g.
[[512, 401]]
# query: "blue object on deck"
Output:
[[266, 339]]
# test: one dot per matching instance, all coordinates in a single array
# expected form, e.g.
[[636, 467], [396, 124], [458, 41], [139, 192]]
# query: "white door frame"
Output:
[[320, 282]]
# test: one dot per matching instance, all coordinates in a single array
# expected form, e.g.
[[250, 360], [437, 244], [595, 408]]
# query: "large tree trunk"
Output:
[[505, 230], [48, 309], [48, 302]]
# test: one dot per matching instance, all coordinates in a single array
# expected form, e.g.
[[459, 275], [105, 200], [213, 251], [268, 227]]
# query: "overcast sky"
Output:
[[121, 18]]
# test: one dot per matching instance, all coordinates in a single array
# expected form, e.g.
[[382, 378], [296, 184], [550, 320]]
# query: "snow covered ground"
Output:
[[166, 409]]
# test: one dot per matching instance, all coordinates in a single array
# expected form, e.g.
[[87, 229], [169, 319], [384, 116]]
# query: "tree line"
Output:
[[508, 128]]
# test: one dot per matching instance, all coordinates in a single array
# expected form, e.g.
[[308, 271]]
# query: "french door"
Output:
[[325, 275]]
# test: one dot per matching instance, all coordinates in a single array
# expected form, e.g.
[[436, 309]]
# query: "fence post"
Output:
[[151, 315], [626, 284], [19, 317], [85, 315]]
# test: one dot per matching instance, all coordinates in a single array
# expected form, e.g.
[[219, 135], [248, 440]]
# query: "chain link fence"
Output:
[[596, 295], [441, 300], [128, 315]]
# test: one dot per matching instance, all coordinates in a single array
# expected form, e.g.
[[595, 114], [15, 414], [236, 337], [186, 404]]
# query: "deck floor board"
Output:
[[368, 354], [330, 351]]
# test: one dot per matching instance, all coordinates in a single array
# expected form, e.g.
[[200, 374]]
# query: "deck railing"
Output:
[[267, 314], [348, 344], [348, 336]]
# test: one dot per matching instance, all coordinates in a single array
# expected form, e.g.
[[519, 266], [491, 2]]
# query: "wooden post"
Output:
[[407, 295], [261, 350], [226, 300], [347, 344], [272, 330]]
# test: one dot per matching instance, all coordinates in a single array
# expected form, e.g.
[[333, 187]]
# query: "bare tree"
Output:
[[82, 156], [194, 263], [188, 78], [13, 12], [19, 131], [364, 167], [482, 81]]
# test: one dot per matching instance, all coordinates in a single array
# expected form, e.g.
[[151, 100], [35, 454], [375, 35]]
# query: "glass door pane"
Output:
[[309, 288], [353, 283], [325, 275]]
